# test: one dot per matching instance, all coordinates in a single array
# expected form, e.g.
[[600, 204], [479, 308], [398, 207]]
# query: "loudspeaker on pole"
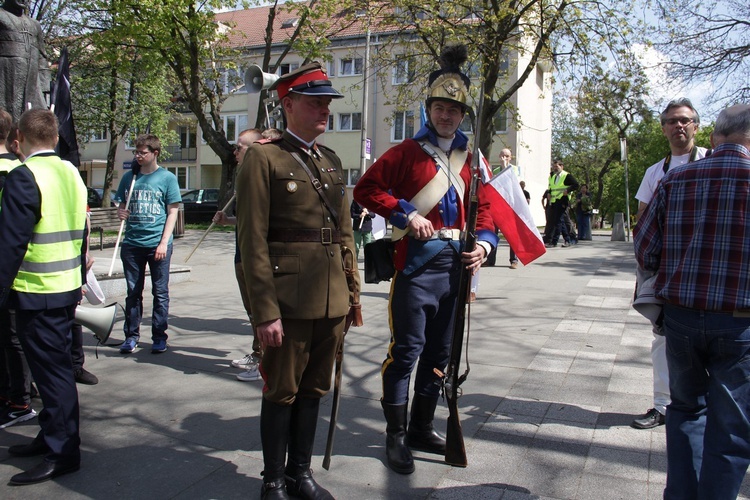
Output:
[[256, 80]]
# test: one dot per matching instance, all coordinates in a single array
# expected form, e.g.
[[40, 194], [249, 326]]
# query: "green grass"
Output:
[[204, 225]]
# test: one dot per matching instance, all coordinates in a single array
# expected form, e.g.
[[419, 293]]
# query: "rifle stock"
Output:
[[455, 449]]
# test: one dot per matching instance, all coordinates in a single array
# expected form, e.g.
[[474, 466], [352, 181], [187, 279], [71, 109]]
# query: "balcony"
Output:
[[178, 153]]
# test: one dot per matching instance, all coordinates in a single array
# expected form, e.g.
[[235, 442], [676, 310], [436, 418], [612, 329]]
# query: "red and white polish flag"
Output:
[[511, 213]]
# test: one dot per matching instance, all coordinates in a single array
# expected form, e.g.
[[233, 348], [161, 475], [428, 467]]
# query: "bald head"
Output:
[[505, 156], [732, 126]]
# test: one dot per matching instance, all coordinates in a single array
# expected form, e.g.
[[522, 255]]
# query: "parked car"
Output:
[[200, 205], [96, 195]]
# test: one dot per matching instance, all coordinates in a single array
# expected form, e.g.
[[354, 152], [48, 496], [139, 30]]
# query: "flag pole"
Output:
[[122, 226], [231, 200]]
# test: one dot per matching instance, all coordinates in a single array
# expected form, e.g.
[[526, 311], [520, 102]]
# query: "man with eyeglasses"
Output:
[[679, 123], [694, 233], [151, 215]]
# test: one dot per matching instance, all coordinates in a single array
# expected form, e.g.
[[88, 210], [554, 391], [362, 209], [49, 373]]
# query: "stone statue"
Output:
[[24, 71]]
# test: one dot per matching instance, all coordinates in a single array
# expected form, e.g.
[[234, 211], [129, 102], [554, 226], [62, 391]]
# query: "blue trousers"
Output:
[[46, 339], [421, 309], [134, 261], [708, 420]]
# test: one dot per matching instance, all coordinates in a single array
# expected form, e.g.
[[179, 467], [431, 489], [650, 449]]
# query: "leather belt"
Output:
[[446, 233], [325, 235]]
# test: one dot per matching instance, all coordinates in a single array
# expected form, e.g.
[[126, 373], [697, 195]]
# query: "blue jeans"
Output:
[[584, 226], [708, 432], [134, 261]]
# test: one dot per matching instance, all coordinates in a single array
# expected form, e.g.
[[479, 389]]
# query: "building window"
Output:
[[287, 68], [290, 23], [329, 125], [352, 176], [402, 72], [99, 135], [350, 121], [351, 66], [403, 126], [501, 121], [466, 126], [232, 80], [182, 175], [129, 140], [233, 125], [188, 150], [331, 68], [187, 137]]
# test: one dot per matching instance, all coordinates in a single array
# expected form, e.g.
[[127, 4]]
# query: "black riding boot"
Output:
[[422, 435], [399, 456], [274, 432], [299, 480]]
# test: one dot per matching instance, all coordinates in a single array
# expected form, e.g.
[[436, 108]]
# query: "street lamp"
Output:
[[624, 159]]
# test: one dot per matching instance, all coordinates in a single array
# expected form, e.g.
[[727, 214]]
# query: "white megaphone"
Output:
[[99, 320], [256, 80]]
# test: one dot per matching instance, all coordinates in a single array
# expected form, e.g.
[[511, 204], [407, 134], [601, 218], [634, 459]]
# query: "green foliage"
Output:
[[506, 40], [609, 105], [706, 43]]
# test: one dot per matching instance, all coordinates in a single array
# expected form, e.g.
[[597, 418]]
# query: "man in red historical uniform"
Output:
[[422, 187]]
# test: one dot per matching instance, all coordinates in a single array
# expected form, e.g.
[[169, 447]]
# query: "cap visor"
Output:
[[323, 90]]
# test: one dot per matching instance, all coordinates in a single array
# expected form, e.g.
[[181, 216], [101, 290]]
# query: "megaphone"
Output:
[[256, 80], [99, 320]]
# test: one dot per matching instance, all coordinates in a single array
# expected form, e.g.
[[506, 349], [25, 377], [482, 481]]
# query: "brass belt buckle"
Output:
[[326, 235], [445, 233]]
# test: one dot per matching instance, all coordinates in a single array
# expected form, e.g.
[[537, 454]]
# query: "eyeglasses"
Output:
[[141, 153], [681, 121]]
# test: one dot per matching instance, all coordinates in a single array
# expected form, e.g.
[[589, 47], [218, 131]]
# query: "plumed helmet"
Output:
[[449, 83]]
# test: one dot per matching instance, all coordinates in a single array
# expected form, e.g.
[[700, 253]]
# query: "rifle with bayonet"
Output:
[[455, 450]]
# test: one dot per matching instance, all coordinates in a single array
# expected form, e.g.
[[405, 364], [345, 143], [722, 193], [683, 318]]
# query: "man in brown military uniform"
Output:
[[290, 239]]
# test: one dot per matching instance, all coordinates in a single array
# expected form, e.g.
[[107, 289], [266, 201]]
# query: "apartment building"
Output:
[[527, 132]]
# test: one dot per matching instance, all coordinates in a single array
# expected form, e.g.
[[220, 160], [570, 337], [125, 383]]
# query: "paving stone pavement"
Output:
[[560, 365]]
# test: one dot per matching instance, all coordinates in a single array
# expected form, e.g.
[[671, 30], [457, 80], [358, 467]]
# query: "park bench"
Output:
[[104, 219]]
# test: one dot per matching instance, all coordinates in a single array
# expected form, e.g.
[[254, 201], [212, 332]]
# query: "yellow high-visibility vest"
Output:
[[52, 263], [557, 186]]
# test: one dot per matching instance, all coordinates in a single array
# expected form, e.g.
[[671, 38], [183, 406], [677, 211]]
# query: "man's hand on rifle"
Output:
[[473, 260]]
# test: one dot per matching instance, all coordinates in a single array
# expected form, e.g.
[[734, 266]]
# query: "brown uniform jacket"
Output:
[[295, 280]]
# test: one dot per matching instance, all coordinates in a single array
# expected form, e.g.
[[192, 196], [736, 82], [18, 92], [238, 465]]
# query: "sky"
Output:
[[665, 88]]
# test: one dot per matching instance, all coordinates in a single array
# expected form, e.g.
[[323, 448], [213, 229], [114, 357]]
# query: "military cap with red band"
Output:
[[310, 79]]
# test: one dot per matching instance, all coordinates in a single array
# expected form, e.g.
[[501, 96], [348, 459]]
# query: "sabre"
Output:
[[353, 318]]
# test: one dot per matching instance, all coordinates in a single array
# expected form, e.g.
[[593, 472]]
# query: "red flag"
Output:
[[511, 213]]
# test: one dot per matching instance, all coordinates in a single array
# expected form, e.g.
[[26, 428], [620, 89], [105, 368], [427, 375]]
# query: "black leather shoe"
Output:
[[274, 490], [304, 486], [85, 377], [43, 472], [651, 419], [36, 447]]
